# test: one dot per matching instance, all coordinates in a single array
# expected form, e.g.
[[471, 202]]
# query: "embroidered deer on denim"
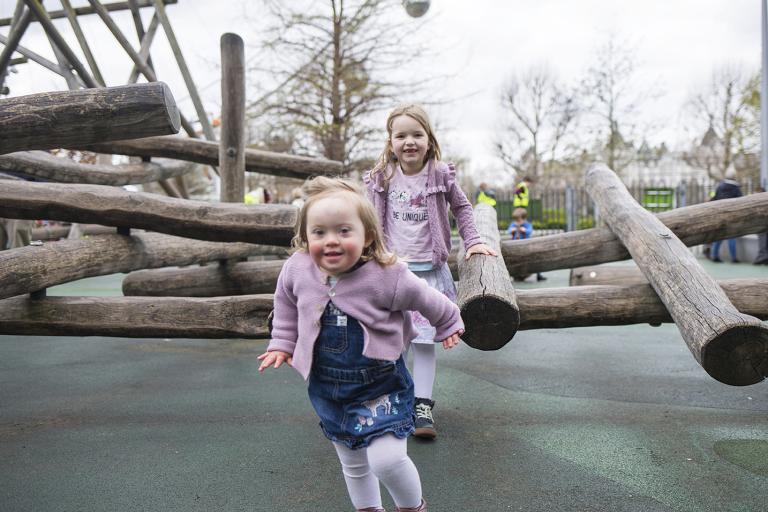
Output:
[[374, 404]]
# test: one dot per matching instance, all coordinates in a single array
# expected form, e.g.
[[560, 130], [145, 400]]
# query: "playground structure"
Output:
[[720, 322]]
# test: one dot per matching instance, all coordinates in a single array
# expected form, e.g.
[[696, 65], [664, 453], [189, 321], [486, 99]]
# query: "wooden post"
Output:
[[133, 5], [60, 119], [232, 143], [205, 152], [146, 44], [485, 295], [40, 164], [730, 346], [270, 224], [72, 16], [70, 260], [21, 22]]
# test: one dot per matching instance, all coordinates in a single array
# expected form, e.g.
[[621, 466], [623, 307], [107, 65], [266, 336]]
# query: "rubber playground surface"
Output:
[[587, 419]]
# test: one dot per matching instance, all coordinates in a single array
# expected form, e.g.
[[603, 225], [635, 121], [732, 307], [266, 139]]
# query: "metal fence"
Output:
[[570, 208]]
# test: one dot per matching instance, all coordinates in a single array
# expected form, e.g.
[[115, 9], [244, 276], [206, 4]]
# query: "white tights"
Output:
[[424, 367], [386, 460]]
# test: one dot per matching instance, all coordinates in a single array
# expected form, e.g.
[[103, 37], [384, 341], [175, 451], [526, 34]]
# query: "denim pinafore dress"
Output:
[[357, 398]]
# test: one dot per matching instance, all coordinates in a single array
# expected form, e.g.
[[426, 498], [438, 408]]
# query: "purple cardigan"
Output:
[[442, 191], [378, 297]]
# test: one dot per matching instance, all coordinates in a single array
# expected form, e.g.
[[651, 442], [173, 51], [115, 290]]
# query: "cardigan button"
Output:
[[332, 293]]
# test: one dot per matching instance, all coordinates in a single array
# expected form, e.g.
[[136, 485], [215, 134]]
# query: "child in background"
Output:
[[412, 190], [521, 229], [342, 320]]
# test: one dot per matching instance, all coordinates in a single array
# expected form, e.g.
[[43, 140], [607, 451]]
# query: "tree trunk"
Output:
[[243, 278], [246, 316], [730, 346], [694, 225], [32, 268], [204, 152], [60, 119], [43, 165], [269, 224], [485, 295]]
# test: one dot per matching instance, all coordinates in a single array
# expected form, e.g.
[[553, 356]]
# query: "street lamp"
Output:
[[416, 8]]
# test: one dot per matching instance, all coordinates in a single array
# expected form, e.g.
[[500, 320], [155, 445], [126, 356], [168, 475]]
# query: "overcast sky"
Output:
[[480, 42]]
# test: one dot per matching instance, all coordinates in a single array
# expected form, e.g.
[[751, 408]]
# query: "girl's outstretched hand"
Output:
[[274, 358], [480, 249], [452, 340]]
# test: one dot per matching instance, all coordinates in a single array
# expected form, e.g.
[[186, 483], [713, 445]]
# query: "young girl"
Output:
[[411, 190], [342, 320]]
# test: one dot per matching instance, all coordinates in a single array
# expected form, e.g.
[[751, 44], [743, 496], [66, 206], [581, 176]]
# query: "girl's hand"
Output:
[[452, 340], [274, 358], [479, 249]]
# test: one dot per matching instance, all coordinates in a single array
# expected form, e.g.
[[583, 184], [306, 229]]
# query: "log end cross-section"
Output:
[[738, 356]]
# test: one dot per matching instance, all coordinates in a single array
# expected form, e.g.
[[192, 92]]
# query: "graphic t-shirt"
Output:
[[407, 220]]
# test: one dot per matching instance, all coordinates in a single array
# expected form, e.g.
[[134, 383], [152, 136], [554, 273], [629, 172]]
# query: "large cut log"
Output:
[[137, 317], [246, 316], [614, 275], [589, 306], [45, 166], [694, 225], [59, 119], [485, 293], [204, 152], [732, 347], [269, 224], [32, 268], [243, 278]]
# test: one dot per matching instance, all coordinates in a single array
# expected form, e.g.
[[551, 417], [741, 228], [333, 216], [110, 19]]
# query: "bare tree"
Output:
[[727, 113], [539, 112], [333, 69], [613, 94]]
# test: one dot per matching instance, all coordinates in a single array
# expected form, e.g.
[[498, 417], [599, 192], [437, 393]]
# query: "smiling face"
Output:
[[409, 143], [335, 234]]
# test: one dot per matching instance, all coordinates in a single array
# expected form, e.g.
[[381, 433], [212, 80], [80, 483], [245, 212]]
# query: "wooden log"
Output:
[[228, 278], [589, 306], [246, 316], [730, 346], [58, 119], [137, 317], [111, 7], [485, 294], [694, 225], [43, 165], [270, 224], [204, 152], [232, 145], [47, 233], [32, 268], [613, 275]]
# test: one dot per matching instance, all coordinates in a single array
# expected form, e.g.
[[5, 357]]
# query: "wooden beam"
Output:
[[246, 316], [232, 144], [43, 165], [58, 119], [694, 225], [485, 294], [612, 275], [31, 268], [81, 11], [42, 16], [17, 30], [34, 57], [50, 233], [133, 5], [270, 224], [146, 43], [78, 31], [730, 346], [205, 152], [228, 278]]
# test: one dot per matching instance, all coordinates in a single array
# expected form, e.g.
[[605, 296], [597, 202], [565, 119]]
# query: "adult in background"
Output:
[[522, 192], [485, 195], [726, 189]]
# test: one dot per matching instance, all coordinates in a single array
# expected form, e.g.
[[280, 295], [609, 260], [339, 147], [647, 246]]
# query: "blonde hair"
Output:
[[417, 113], [520, 213], [322, 187]]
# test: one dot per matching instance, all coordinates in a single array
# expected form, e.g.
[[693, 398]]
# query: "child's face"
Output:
[[409, 143], [335, 234]]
